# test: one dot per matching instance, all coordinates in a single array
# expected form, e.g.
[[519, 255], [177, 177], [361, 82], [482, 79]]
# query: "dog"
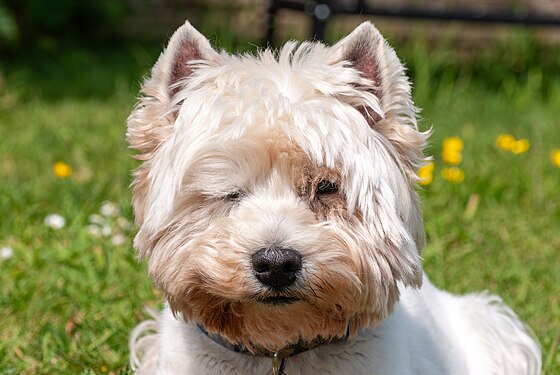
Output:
[[276, 206]]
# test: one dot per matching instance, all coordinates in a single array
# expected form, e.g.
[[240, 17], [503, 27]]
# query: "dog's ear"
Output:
[[152, 119], [383, 75]]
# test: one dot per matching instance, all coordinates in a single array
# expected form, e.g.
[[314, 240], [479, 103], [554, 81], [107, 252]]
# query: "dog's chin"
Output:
[[278, 301], [269, 321], [282, 298]]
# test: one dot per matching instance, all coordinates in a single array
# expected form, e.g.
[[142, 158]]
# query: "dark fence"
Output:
[[321, 11]]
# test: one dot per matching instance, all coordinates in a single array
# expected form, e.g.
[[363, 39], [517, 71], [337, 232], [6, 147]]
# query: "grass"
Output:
[[69, 298]]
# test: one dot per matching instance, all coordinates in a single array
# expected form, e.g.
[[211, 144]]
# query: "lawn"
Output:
[[70, 296]]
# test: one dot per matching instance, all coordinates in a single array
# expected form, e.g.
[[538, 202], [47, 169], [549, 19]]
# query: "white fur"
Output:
[[429, 332], [244, 124]]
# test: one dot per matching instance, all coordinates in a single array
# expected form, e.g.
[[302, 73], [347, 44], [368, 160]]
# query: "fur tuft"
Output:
[[506, 346], [143, 345]]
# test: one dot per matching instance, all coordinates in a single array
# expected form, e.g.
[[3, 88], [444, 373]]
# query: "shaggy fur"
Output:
[[312, 149]]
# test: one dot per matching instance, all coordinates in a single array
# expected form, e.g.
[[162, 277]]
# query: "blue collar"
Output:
[[296, 348]]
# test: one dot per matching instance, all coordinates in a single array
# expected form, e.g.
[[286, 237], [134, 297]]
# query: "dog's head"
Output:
[[276, 197]]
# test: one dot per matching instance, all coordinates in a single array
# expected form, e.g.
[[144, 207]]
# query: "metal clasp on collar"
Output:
[[278, 364]]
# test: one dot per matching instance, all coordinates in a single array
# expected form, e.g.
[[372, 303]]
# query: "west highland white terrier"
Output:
[[276, 206]]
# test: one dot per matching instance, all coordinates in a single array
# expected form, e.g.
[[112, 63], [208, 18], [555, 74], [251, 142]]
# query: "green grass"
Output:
[[69, 299]]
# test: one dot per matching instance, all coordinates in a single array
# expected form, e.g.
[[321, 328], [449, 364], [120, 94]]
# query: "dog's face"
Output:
[[276, 197]]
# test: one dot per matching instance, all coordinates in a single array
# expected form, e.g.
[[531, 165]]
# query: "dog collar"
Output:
[[279, 357]]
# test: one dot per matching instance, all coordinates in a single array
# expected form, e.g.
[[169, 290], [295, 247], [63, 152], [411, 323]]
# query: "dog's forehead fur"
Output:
[[300, 95], [346, 108]]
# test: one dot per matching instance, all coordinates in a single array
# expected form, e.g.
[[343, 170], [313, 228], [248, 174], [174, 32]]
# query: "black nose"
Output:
[[276, 266]]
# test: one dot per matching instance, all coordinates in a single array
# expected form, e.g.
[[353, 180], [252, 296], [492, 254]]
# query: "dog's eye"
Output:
[[326, 187], [233, 196]]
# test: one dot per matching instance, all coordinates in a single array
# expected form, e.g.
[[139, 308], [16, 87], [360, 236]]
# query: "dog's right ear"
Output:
[[151, 121]]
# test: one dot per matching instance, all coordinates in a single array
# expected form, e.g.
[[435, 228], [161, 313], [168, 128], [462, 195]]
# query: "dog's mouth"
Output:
[[278, 300]]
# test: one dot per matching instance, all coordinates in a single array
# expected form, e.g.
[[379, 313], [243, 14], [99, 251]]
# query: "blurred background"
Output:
[[70, 71]]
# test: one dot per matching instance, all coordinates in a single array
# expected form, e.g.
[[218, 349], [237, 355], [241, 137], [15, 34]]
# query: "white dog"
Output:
[[276, 206]]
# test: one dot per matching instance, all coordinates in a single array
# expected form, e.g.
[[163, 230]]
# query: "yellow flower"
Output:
[[426, 174], [62, 170], [453, 144], [555, 156], [452, 157], [504, 141], [104, 368], [520, 146], [451, 151], [453, 174]]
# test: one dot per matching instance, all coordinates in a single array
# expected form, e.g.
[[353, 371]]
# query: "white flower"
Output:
[[123, 223], [6, 252], [106, 231], [109, 209], [55, 221], [118, 239], [97, 219], [94, 230]]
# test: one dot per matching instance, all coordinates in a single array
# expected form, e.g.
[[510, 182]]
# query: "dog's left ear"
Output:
[[152, 119], [383, 75]]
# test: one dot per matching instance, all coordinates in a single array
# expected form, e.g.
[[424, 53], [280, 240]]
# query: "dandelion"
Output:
[[520, 146], [109, 209], [451, 157], [555, 157], [453, 174], [426, 174], [55, 221], [62, 170], [6, 252], [451, 150], [505, 141], [453, 144]]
